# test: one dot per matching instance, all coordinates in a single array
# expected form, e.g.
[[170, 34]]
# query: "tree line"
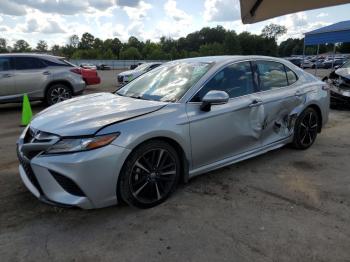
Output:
[[207, 41]]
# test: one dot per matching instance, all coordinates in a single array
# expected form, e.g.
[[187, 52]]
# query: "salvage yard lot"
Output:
[[286, 205]]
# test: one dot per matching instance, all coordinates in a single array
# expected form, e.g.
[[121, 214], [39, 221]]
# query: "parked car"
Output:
[[43, 77], [295, 61], [337, 62], [182, 119], [339, 81], [306, 64], [88, 66], [103, 67], [134, 66], [318, 63], [90, 76], [129, 75]]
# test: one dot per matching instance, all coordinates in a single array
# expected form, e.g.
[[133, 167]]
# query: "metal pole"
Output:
[[318, 48], [333, 55], [303, 52]]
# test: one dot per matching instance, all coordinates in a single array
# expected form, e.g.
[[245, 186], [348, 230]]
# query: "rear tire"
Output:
[[306, 129], [57, 93], [150, 174]]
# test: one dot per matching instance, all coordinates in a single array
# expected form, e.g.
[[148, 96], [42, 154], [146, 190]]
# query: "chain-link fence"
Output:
[[114, 64]]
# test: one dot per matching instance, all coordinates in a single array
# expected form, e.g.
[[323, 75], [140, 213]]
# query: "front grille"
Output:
[[120, 79], [29, 171], [67, 184]]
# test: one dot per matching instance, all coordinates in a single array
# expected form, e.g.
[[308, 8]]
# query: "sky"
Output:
[[55, 20]]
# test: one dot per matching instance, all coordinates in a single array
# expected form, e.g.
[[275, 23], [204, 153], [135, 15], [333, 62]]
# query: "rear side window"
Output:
[[57, 62], [272, 75], [291, 76], [236, 80], [5, 64], [25, 63]]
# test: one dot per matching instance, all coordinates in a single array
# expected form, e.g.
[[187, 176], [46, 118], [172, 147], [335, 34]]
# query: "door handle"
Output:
[[256, 102], [47, 73]]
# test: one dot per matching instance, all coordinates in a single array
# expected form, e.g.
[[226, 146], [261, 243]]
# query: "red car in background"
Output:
[[90, 76]]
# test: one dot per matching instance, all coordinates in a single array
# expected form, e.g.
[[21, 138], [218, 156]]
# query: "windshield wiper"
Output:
[[139, 97]]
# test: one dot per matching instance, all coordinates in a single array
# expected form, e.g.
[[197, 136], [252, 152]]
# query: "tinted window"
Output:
[[5, 64], [57, 62], [272, 75], [236, 80], [291, 76], [23, 63]]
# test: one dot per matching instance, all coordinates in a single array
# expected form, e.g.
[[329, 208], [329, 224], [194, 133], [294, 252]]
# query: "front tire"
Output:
[[150, 174], [58, 93], [306, 129]]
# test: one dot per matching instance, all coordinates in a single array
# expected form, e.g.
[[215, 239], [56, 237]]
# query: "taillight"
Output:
[[76, 70]]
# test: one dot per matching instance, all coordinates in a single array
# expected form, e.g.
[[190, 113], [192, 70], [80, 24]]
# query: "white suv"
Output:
[[43, 77]]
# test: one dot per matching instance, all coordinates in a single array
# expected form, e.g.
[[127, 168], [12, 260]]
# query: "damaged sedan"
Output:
[[180, 120], [339, 82]]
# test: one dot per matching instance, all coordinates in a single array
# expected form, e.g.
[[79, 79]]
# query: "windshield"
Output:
[[166, 83], [142, 66]]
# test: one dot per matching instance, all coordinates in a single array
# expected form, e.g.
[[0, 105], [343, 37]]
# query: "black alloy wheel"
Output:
[[306, 129], [150, 174]]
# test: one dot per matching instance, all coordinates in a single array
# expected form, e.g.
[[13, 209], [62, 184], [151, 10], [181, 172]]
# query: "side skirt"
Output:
[[237, 158]]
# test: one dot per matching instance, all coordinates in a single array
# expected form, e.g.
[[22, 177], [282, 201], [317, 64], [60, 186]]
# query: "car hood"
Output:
[[85, 115], [344, 72]]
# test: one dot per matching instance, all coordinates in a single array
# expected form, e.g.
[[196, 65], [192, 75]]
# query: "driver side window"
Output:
[[236, 80]]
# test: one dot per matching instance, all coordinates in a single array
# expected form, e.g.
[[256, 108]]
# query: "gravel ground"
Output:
[[286, 205]]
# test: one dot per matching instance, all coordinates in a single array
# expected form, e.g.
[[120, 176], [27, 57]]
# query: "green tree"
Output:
[[56, 50], [212, 49], [87, 41], [21, 46], [41, 46], [231, 43], [131, 53], [73, 41], [3, 45], [273, 31]]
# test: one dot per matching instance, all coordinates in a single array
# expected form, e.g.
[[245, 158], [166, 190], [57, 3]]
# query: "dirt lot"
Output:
[[286, 205]]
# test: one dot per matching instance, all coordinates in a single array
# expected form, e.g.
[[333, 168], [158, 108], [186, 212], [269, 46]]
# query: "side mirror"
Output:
[[214, 97]]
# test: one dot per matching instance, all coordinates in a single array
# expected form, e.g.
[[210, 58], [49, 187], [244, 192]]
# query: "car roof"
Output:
[[31, 55], [228, 58]]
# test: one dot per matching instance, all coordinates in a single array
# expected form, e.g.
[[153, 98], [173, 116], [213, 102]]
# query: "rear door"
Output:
[[280, 96], [32, 76], [7, 81]]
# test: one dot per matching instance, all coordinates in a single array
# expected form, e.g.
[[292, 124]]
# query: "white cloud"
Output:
[[52, 28], [172, 11], [138, 12], [221, 10], [8, 7], [129, 3]]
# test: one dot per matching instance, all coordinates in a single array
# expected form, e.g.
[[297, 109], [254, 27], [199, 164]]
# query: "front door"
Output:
[[7, 82], [228, 129]]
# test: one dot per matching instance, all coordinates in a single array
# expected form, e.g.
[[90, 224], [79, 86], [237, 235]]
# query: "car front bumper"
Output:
[[84, 179]]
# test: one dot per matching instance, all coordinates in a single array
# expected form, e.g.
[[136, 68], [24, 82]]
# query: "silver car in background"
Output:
[[127, 76], [182, 119], [42, 77]]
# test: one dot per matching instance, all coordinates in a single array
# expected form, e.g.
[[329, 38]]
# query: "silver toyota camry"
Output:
[[182, 119]]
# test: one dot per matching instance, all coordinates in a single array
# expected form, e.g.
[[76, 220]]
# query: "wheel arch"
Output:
[[319, 113], [179, 149], [55, 82]]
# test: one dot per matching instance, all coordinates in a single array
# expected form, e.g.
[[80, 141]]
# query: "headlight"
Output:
[[69, 145]]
